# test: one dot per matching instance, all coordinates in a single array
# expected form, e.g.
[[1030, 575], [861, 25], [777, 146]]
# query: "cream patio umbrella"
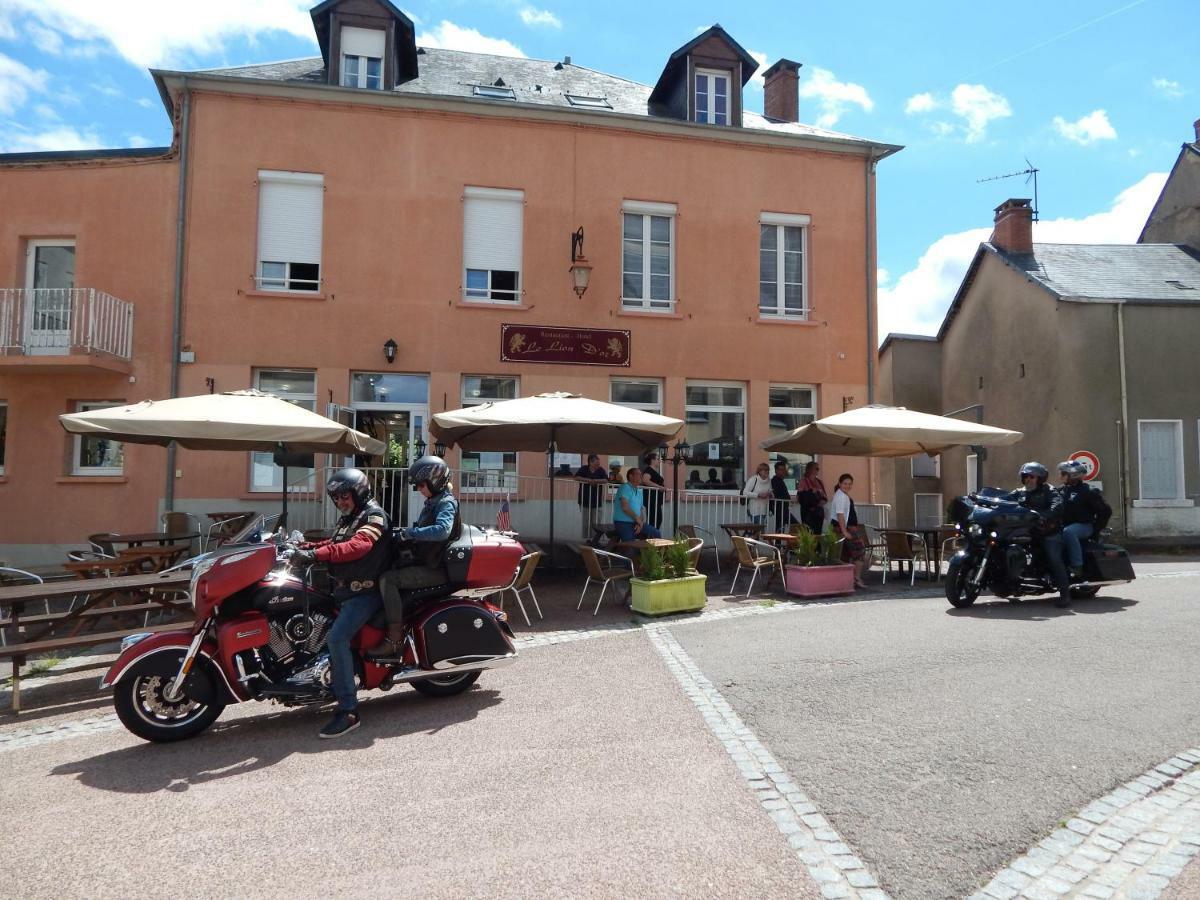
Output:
[[237, 420], [554, 422]]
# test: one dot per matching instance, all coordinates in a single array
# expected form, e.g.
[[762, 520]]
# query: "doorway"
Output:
[[49, 284]]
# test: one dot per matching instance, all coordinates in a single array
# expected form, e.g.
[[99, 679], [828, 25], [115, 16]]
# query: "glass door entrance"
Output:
[[49, 282], [398, 429]]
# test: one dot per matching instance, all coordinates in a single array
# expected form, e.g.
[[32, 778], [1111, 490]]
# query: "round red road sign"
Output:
[[1089, 459]]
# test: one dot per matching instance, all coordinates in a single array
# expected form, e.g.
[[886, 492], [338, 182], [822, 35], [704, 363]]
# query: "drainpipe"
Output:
[[1126, 505], [871, 275], [177, 319]]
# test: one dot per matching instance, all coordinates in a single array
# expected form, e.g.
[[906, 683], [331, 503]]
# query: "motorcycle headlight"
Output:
[[974, 530]]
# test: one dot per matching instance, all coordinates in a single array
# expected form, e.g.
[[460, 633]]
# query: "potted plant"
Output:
[[667, 583], [814, 566]]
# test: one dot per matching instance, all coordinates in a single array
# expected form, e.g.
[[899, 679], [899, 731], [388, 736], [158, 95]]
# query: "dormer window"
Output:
[[362, 58], [712, 97], [494, 92]]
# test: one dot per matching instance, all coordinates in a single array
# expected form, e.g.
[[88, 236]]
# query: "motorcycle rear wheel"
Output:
[[959, 591], [142, 708], [446, 685]]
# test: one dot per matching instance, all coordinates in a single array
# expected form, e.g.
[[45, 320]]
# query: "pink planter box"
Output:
[[819, 581]]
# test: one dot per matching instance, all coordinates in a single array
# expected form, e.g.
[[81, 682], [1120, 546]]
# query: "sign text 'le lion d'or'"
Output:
[[578, 346]]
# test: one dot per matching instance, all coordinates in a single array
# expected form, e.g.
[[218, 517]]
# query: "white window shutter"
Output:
[[290, 217], [492, 229], [1159, 445], [362, 41]]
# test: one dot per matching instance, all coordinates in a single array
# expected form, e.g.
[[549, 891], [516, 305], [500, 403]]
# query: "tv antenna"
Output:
[[1030, 172]]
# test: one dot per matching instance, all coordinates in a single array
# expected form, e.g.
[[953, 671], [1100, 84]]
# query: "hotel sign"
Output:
[[573, 346]]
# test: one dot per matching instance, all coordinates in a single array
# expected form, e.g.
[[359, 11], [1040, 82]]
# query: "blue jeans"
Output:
[[354, 613], [1052, 546], [625, 531], [1073, 537], [759, 520]]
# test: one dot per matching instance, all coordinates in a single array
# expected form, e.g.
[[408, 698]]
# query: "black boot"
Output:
[[341, 723], [392, 644]]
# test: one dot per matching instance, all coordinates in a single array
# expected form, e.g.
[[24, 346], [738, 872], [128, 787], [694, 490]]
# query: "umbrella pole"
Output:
[[283, 514], [550, 450]]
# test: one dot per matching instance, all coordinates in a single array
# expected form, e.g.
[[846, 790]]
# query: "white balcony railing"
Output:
[[61, 321]]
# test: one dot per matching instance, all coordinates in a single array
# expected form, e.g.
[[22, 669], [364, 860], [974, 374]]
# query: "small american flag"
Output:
[[503, 522]]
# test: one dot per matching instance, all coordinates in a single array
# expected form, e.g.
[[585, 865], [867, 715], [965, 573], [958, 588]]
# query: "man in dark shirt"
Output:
[[592, 479], [781, 497], [1035, 494], [652, 489]]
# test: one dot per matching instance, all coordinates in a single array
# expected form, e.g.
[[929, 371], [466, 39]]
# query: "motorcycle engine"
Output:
[[299, 633], [1016, 560]]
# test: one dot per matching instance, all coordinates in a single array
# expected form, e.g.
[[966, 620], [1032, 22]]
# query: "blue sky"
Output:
[[1099, 95]]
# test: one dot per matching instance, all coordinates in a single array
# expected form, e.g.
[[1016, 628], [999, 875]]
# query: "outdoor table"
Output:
[[635, 547], [151, 590], [154, 559], [933, 537], [742, 529], [780, 541], [152, 537]]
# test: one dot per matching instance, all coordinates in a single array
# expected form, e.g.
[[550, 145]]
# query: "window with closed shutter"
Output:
[[1160, 459], [493, 222], [290, 208], [927, 510]]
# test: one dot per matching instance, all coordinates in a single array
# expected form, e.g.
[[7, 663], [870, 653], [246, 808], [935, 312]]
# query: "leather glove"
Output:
[[303, 558]]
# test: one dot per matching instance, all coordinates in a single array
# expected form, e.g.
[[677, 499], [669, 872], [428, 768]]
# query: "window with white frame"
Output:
[[494, 471], [716, 417], [782, 291], [636, 393], [298, 386], [927, 510], [362, 57], [712, 96], [1160, 459], [972, 473], [926, 466], [493, 228], [789, 407], [648, 256], [3, 432], [290, 213], [94, 455]]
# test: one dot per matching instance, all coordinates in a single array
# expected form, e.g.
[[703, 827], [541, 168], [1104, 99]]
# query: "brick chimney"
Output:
[[1013, 231], [1196, 128], [781, 97]]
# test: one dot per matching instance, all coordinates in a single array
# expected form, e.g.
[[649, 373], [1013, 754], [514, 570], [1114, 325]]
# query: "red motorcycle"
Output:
[[260, 634]]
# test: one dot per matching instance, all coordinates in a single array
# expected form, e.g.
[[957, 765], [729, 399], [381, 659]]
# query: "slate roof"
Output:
[[1152, 273], [454, 73]]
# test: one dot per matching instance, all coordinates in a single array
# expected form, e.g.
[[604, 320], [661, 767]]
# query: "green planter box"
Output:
[[670, 595]]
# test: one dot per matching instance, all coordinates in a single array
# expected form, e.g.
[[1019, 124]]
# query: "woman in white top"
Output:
[[844, 521], [758, 490]]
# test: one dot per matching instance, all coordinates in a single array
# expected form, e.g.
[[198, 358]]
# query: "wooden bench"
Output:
[[18, 652], [95, 612]]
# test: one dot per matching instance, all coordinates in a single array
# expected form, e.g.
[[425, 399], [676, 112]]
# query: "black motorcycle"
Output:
[[1001, 553]]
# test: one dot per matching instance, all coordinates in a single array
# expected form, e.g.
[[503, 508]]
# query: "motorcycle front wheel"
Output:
[[143, 708], [959, 591], [446, 685]]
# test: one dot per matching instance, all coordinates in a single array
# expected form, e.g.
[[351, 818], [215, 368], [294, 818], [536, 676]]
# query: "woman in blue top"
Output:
[[627, 509]]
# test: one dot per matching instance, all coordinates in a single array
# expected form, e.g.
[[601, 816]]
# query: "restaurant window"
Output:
[[789, 407], [648, 257], [493, 225], [643, 394], [362, 57], [290, 212], [97, 455], [782, 291], [3, 432], [712, 97], [716, 429], [488, 471], [296, 386]]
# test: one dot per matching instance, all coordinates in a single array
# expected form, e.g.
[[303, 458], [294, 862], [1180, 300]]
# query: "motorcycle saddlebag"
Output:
[[1106, 562], [462, 633]]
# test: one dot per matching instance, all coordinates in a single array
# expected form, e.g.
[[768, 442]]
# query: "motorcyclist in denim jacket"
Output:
[[1035, 494]]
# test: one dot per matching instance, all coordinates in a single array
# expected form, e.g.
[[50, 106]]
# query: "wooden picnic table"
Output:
[[59, 631]]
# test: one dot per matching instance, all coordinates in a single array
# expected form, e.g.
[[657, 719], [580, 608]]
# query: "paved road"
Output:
[[940, 743]]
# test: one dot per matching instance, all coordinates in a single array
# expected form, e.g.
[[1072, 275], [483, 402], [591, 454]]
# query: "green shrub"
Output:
[[651, 564], [813, 549], [678, 560]]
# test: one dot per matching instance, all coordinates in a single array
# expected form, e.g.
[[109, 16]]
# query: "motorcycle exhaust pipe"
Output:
[[476, 665]]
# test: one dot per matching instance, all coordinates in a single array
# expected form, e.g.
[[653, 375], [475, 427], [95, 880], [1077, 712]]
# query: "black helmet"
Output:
[[353, 480], [1072, 468], [431, 470], [1034, 468]]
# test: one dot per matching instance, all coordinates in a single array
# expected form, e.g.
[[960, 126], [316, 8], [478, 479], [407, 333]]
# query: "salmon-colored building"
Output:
[[388, 230]]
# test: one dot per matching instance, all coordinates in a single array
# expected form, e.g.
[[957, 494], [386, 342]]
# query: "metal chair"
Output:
[[9, 575], [522, 581], [612, 570], [695, 548], [103, 543], [708, 539], [176, 523], [905, 547], [949, 545], [754, 555]]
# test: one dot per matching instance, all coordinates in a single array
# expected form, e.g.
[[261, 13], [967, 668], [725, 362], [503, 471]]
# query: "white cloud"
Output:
[[977, 106], [882, 276], [62, 137], [47, 112], [45, 39], [757, 78], [1088, 129], [539, 17], [917, 301], [449, 36], [833, 96], [919, 103], [8, 31], [138, 140], [146, 103], [1168, 88], [17, 82], [162, 32]]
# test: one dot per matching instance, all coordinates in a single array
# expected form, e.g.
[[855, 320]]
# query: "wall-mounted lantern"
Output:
[[389, 351], [581, 269]]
